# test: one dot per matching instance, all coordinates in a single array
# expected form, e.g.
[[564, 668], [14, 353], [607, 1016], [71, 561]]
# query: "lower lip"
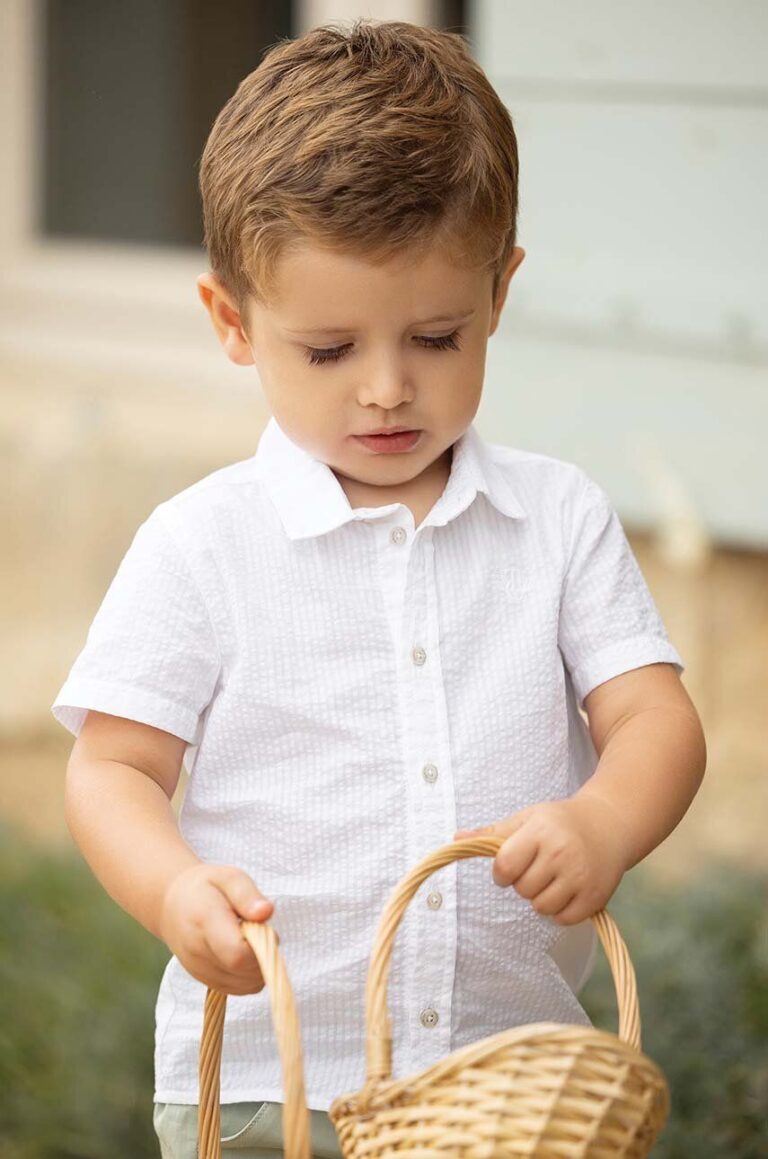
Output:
[[390, 444]]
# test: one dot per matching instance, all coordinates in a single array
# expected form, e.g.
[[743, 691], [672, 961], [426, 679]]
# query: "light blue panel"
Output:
[[635, 336], [647, 428], [720, 44], [647, 216]]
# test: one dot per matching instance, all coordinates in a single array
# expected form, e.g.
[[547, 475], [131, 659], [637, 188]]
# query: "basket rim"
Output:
[[379, 1094]]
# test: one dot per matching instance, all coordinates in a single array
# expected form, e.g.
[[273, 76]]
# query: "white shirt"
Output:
[[352, 691]]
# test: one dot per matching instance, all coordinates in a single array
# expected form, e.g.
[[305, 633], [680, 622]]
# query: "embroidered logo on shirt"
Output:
[[509, 580]]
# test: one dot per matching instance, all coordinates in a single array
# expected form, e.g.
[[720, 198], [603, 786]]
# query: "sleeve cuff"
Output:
[[77, 696], [620, 657]]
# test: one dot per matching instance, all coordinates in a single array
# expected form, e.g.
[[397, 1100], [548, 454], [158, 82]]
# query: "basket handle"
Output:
[[377, 1019], [296, 1133]]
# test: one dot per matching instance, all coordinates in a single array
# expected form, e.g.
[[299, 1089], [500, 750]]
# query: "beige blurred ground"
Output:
[[84, 475]]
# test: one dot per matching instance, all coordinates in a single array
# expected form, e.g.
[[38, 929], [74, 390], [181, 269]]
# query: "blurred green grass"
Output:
[[78, 981], [78, 978]]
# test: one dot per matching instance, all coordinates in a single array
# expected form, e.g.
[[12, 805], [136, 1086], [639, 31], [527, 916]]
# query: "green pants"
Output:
[[248, 1130]]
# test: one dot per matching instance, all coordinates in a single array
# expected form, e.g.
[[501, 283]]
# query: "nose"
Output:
[[385, 382]]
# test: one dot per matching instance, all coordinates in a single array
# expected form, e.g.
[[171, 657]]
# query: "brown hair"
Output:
[[374, 140]]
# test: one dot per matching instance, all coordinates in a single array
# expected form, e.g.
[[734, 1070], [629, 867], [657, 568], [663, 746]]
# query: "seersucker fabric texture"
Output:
[[352, 690]]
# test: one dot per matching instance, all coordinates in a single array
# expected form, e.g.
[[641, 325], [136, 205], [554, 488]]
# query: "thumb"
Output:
[[243, 894]]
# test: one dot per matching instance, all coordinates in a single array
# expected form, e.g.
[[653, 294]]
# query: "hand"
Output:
[[200, 922], [567, 857]]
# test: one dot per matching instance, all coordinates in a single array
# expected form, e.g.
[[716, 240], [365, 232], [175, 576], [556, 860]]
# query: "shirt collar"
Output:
[[310, 500]]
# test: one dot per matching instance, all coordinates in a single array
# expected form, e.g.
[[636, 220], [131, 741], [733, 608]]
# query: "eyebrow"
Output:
[[460, 315]]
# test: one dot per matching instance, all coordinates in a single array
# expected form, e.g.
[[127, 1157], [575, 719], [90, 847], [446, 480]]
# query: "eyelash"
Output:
[[317, 357]]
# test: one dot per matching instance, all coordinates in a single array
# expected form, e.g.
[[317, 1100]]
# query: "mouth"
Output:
[[388, 431], [398, 439]]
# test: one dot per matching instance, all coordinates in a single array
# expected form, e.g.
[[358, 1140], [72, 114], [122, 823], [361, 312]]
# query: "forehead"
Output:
[[322, 289]]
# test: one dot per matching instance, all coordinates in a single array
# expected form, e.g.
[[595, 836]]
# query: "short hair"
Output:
[[376, 140]]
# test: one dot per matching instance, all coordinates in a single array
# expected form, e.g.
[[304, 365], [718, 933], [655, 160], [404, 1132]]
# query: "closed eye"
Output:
[[316, 357]]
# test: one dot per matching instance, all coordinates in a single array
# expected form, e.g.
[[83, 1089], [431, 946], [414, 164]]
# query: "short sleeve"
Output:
[[151, 653], [609, 622]]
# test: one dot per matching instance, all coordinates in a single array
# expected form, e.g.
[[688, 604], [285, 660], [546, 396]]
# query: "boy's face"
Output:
[[346, 347]]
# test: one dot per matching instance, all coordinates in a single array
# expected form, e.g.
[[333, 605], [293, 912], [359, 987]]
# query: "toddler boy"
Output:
[[361, 643]]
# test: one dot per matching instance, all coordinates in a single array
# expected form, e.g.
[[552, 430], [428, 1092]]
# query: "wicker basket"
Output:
[[545, 1090]]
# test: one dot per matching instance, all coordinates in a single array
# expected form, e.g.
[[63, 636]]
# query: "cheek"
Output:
[[284, 376], [460, 378], [282, 364]]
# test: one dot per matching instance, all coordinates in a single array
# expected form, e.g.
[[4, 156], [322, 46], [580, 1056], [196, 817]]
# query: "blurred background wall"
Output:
[[634, 340]]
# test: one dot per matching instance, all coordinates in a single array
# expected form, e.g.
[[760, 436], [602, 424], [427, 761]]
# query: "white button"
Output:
[[419, 655], [429, 1017], [429, 773], [434, 899], [398, 535]]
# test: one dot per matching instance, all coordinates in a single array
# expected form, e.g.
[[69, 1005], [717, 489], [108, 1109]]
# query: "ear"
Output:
[[518, 253], [226, 319]]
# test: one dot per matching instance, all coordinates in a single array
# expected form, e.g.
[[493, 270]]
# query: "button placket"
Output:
[[401, 562], [434, 935]]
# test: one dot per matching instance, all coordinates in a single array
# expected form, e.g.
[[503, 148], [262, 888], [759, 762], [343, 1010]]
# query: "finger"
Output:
[[552, 900], [242, 893], [536, 878], [574, 912], [226, 943], [205, 970], [515, 856], [249, 981]]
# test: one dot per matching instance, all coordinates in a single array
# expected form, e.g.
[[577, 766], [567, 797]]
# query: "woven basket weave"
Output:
[[545, 1090]]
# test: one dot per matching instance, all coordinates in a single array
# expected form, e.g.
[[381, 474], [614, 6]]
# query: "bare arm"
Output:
[[120, 779], [121, 818], [652, 754]]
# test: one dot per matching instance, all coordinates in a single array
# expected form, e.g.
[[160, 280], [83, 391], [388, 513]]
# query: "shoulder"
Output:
[[546, 483], [224, 485], [212, 501]]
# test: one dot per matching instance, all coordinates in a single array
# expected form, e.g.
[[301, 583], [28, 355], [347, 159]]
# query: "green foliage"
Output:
[[700, 954], [79, 977]]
